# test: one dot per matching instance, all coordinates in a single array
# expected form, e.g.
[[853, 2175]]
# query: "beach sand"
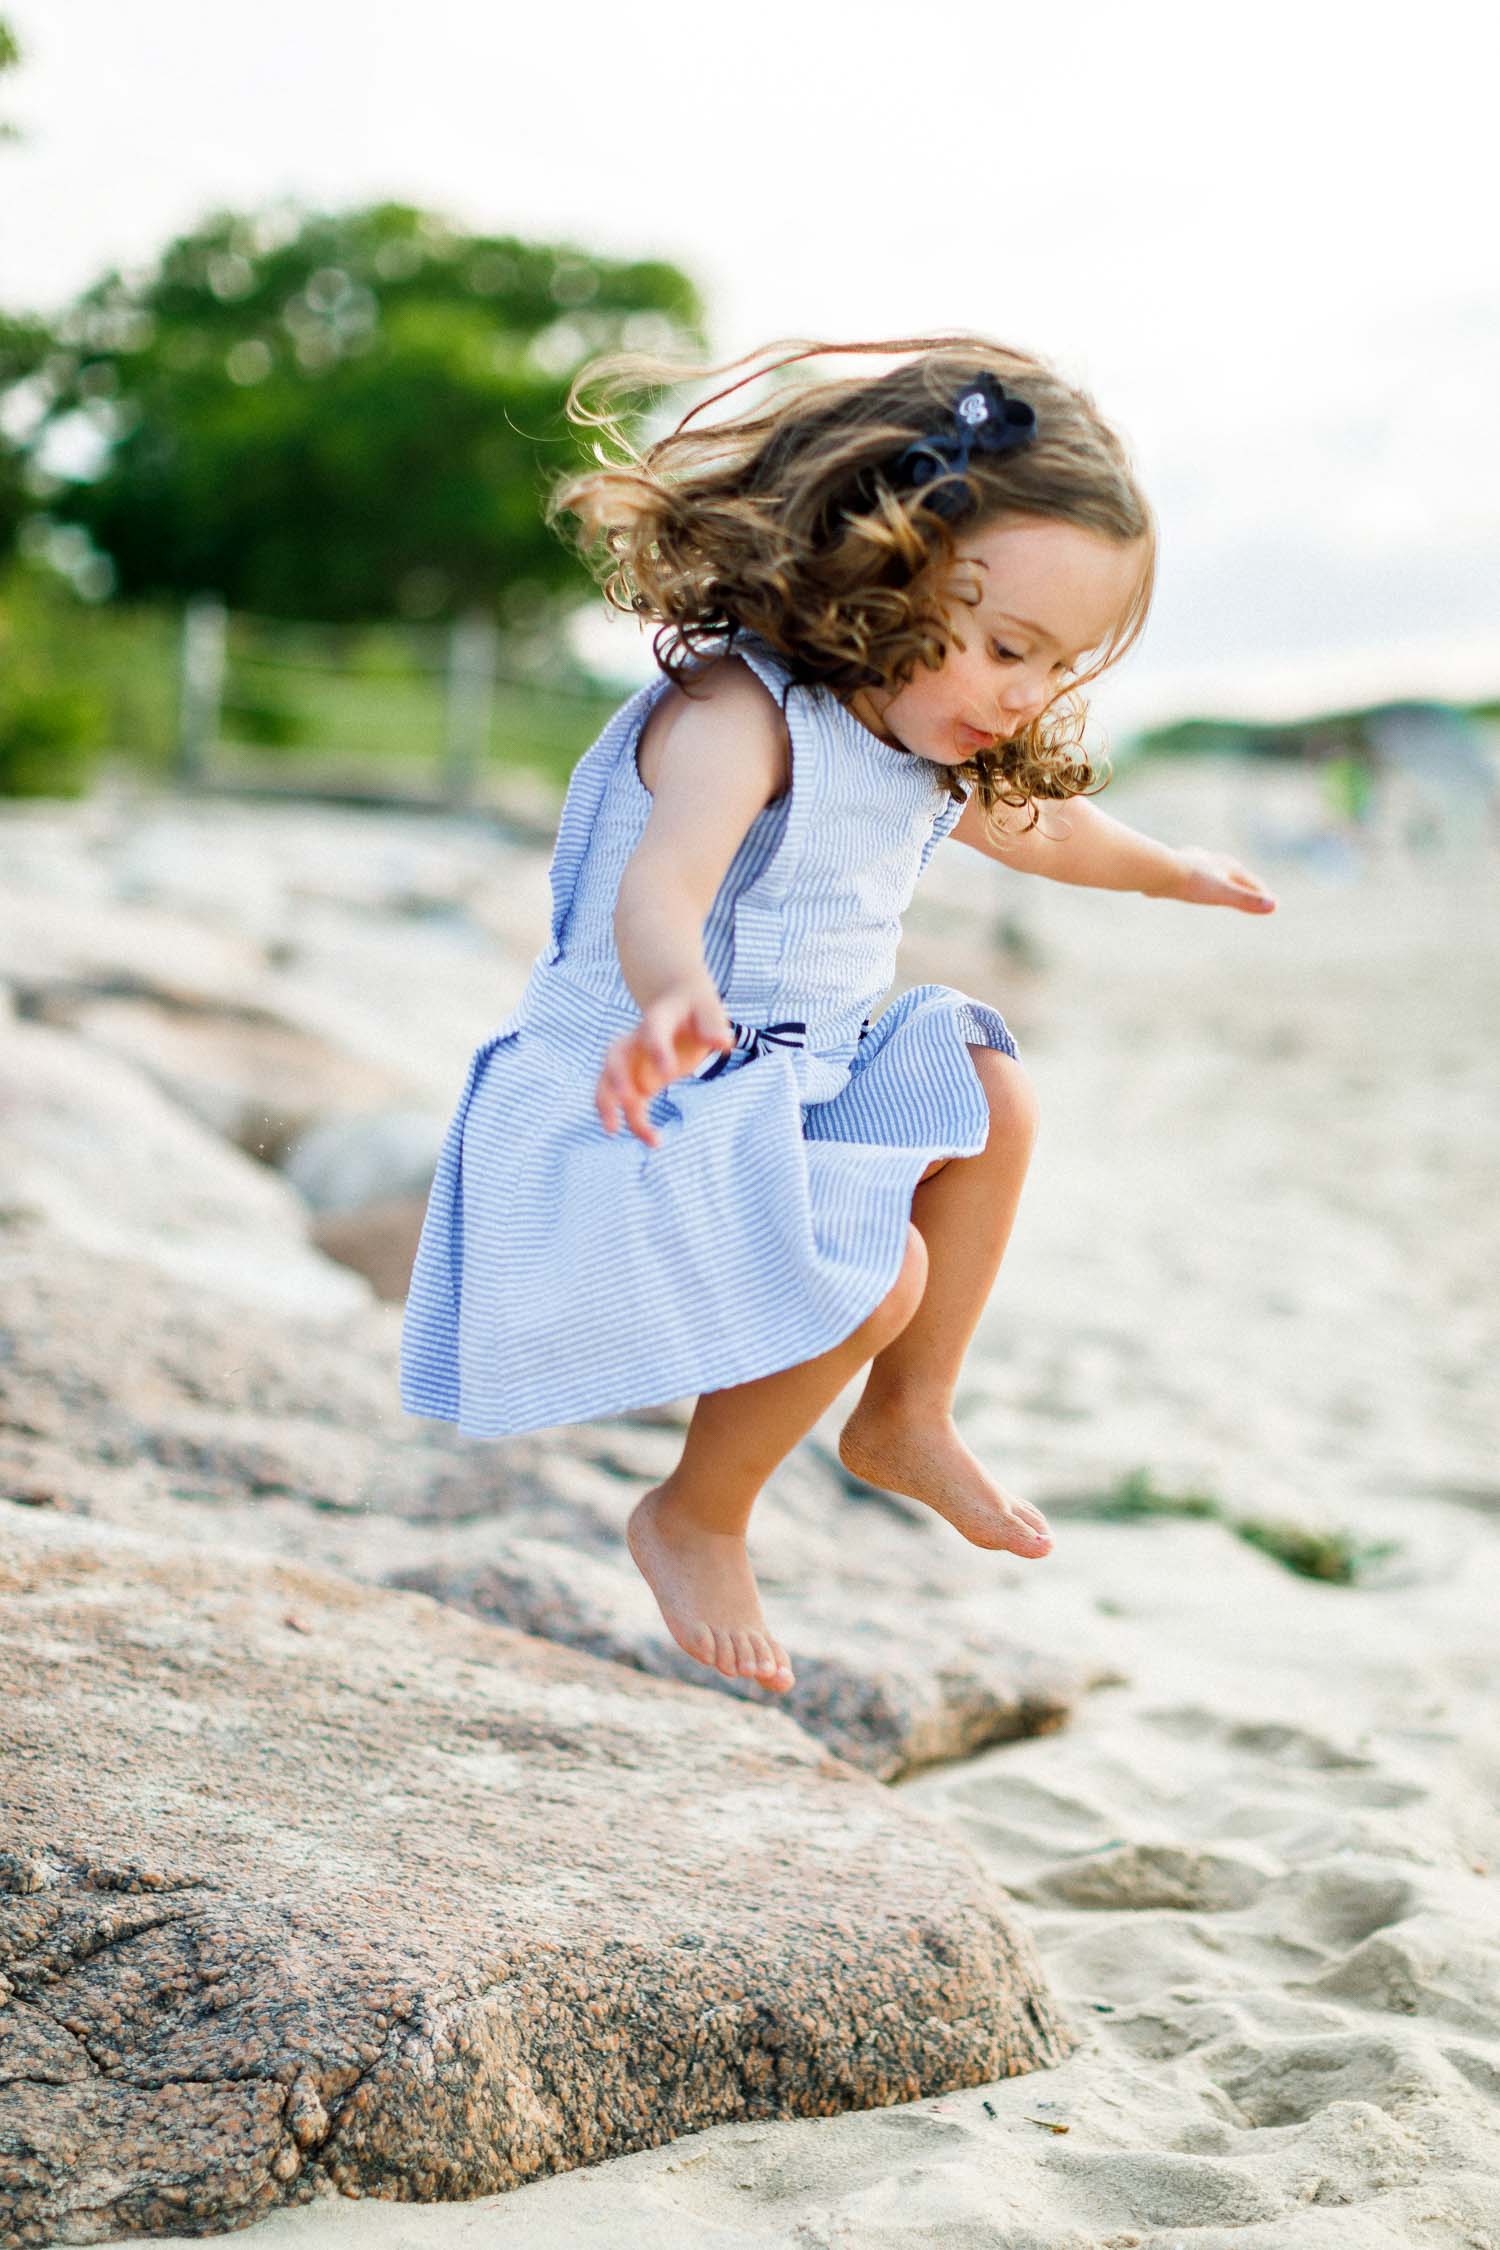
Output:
[[1256, 1262]]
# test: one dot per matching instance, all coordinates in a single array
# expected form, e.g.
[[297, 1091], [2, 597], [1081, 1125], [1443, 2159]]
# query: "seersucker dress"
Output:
[[564, 1273]]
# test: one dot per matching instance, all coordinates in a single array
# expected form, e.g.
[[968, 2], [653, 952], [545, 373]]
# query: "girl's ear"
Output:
[[962, 583]]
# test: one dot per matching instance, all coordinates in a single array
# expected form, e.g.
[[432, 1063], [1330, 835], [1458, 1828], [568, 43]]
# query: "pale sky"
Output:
[[1263, 237]]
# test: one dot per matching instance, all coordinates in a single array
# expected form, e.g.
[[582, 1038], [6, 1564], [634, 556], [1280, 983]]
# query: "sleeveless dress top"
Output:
[[564, 1273]]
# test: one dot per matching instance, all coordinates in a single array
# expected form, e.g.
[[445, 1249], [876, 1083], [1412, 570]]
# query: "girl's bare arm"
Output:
[[716, 759], [1074, 842]]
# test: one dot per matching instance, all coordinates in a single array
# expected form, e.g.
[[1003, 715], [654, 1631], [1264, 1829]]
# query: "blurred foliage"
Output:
[[1201, 737], [10, 55], [335, 415], [48, 737], [379, 692], [1315, 739], [80, 679], [23, 347], [1135, 1495], [1338, 1558], [76, 678], [53, 718]]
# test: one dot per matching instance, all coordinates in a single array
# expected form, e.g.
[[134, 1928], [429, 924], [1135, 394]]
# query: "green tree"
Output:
[[339, 415], [24, 345], [10, 55]]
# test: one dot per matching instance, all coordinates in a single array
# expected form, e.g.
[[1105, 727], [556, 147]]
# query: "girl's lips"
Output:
[[973, 735]]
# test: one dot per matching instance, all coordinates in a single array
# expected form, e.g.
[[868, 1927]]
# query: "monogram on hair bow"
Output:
[[984, 419]]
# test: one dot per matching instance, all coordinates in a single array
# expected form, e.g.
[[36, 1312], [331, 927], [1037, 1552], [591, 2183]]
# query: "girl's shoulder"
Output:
[[728, 700]]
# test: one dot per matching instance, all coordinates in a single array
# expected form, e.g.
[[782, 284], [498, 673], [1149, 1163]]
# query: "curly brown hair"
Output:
[[783, 519]]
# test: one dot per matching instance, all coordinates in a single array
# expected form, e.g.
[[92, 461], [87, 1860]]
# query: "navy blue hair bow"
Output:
[[984, 417]]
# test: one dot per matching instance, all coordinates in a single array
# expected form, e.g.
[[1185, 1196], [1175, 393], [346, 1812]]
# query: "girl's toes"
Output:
[[755, 1655], [765, 1657], [698, 1640], [746, 1662], [725, 1660]]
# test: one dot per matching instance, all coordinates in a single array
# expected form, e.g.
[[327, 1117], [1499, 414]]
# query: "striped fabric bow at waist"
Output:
[[751, 1040]]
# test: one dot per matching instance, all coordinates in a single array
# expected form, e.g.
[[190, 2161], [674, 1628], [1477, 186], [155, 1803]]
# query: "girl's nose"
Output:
[[1018, 715]]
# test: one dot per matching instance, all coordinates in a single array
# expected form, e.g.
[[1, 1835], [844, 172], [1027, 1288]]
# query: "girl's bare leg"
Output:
[[687, 1536], [901, 1436]]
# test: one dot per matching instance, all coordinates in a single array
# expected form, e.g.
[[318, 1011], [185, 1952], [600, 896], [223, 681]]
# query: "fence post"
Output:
[[473, 661], [200, 683]]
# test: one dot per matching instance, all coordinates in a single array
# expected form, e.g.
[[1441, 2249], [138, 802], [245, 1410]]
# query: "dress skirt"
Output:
[[565, 1273]]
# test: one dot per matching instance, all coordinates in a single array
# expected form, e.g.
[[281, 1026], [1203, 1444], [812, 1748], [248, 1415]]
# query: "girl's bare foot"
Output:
[[706, 1591], [925, 1458]]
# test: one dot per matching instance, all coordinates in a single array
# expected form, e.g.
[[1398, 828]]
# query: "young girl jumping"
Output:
[[876, 598]]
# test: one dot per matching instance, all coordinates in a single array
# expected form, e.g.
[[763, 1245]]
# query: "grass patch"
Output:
[[296, 697], [1335, 1558], [1134, 1495]]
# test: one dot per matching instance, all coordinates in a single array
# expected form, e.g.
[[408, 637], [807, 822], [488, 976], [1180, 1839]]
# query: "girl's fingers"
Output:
[[1218, 880], [1244, 875], [640, 1063], [622, 1086], [605, 1101], [1238, 887], [608, 1106], [635, 1115], [616, 1092]]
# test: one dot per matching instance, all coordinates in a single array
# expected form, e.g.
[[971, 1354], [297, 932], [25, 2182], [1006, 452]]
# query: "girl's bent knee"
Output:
[[1014, 1113], [903, 1297]]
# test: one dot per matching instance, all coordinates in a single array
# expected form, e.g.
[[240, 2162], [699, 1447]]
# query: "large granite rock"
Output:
[[188, 1338], [148, 1404], [109, 1163], [305, 1883], [332, 956]]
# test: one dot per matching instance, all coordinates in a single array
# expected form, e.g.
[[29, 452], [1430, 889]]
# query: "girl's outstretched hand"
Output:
[[675, 1035], [1214, 879]]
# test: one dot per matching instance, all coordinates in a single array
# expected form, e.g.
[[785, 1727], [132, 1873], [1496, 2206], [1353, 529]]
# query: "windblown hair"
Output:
[[784, 519]]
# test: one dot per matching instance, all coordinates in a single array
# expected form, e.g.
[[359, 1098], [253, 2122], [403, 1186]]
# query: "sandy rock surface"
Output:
[[1255, 1262], [96, 1152], [127, 1402], [308, 1884]]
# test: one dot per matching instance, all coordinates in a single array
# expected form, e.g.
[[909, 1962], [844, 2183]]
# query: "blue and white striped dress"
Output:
[[564, 1273]]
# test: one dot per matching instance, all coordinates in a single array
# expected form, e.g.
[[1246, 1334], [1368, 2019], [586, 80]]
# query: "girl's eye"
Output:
[[1010, 656]]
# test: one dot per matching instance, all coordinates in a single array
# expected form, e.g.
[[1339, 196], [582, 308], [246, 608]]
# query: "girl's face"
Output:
[[1052, 592]]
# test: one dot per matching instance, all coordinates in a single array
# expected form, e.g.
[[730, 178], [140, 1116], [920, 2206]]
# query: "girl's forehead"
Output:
[[1059, 579]]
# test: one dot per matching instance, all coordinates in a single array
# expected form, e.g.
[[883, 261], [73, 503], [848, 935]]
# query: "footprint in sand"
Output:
[[1147, 1876], [1167, 2191], [1428, 1966], [1285, 2082], [1275, 1739], [1336, 1903]]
